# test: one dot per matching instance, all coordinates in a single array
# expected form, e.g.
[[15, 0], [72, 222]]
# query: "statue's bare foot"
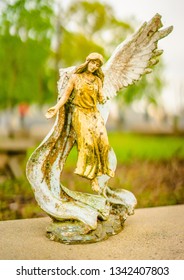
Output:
[[95, 186]]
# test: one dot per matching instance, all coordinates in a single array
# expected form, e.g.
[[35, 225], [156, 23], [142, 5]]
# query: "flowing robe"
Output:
[[91, 134]]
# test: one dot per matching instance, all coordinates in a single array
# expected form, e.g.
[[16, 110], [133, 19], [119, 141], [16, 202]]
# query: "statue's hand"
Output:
[[51, 112]]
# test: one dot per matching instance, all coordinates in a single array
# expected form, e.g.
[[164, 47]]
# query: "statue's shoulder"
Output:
[[76, 77], [73, 77]]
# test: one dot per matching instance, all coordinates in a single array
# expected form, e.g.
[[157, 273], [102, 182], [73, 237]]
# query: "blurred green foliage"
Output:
[[17, 200], [25, 35], [37, 37], [146, 147]]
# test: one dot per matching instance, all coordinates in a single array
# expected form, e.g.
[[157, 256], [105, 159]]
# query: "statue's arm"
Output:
[[66, 95], [69, 88]]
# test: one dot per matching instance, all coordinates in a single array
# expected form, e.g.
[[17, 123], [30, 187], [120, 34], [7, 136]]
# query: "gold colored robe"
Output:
[[91, 134]]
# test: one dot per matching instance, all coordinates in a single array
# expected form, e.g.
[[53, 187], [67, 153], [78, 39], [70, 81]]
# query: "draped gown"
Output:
[[91, 135]]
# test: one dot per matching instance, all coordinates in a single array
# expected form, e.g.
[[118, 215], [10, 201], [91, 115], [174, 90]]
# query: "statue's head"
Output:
[[92, 57], [95, 56]]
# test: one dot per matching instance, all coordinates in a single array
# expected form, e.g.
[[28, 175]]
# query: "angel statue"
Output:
[[82, 109]]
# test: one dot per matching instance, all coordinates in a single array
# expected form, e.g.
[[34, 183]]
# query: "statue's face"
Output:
[[93, 65]]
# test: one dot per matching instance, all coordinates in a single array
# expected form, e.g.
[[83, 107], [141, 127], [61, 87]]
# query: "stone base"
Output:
[[76, 232], [121, 203]]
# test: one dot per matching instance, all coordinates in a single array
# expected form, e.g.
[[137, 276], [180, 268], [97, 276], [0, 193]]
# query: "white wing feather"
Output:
[[134, 57], [64, 75]]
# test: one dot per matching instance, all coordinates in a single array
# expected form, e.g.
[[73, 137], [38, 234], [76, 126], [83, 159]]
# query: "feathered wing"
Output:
[[134, 57], [64, 76]]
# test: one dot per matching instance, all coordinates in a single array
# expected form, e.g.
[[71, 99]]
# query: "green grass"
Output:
[[17, 200], [146, 147]]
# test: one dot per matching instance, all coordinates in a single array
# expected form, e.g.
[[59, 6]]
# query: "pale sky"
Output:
[[172, 12]]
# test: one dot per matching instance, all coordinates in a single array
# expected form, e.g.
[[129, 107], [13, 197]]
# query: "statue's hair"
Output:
[[83, 68]]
